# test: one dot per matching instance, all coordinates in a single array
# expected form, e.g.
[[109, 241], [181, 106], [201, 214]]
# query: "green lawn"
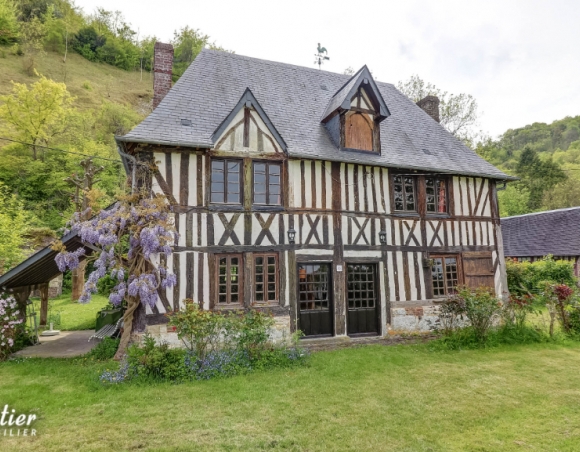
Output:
[[74, 315], [403, 398]]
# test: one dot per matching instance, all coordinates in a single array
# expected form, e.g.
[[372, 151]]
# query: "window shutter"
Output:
[[478, 269]]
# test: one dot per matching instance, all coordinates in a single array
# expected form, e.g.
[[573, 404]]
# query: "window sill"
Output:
[[265, 208], [400, 213], [438, 215], [225, 207]]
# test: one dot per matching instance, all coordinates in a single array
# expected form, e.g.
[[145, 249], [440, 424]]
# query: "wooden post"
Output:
[[43, 304]]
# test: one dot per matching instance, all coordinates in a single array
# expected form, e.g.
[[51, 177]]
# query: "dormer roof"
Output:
[[249, 100], [342, 98]]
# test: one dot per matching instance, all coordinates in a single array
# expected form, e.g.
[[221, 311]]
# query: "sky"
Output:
[[519, 58]]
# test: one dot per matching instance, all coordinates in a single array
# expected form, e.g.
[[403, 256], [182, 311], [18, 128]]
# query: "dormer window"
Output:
[[353, 114]]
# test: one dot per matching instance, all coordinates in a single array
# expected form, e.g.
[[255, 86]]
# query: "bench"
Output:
[[108, 331]]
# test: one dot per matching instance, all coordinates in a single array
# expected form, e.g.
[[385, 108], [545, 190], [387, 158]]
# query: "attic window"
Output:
[[185, 122]]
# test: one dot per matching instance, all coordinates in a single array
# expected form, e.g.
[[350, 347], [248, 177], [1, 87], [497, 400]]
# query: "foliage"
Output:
[[10, 319], [217, 345], [516, 309], [156, 361], [200, 330], [203, 331], [14, 221], [537, 175], [559, 301], [480, 307], [531, 277], [37, 114], [9, 26], [458, 112], [188, 43], [253, 331], [104, 350], [552, 150], [514, 200]]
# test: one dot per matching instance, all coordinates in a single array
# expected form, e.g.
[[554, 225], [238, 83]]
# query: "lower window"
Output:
[[265, 278], [445, 274], [229, 279]]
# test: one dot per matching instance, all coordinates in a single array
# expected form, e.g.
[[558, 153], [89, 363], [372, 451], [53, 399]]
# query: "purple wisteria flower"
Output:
[[147, 228]]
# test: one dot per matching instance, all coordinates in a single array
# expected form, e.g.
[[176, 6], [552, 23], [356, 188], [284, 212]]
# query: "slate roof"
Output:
[[295, 98], [539, 234]]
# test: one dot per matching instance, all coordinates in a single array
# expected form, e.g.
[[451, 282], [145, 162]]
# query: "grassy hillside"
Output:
[[89, 82]]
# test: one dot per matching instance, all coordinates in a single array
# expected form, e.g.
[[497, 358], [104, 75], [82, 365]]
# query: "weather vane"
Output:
[[320, 56]]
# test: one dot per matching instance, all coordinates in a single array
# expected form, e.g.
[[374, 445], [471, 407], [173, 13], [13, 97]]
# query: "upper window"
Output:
[[226, 181], [267, 183], [404, 193], [358, 133], [445, 275], [436, 195]]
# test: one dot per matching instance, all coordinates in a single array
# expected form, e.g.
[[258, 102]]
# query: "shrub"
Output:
[[218, 345], [158, 362], [251, 331], [10, 322], [515, 310], [480, 307], [531, 277], [199, 330], [560, 301], [104, 350]]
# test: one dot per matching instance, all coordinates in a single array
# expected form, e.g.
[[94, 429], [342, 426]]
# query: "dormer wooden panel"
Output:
[[247, 132]]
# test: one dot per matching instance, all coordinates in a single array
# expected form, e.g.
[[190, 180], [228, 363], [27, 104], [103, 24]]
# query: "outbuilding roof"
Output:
[[40, 267], [295, 99], [539, 234]]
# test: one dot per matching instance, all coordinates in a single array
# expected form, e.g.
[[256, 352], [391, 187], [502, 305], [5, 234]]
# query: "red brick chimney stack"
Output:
[[430, 105], [162, 71]]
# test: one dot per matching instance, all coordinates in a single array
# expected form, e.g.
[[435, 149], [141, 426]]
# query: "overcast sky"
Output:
[[519, 59]]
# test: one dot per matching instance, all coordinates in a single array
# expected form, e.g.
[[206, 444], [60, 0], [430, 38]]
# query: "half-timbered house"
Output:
[[332, 200]]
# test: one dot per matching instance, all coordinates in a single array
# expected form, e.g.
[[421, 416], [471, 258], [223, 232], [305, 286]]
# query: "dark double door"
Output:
[[316, 312]]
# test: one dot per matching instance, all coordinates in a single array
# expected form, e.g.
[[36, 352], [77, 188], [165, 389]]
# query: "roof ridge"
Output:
[[281, 63], [542, 212]]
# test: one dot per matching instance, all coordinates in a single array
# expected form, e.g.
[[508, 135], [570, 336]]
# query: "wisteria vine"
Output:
[[127, 240]]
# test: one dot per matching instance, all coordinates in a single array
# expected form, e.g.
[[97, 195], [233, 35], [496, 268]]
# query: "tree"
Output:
[[188, 43], [13, 227], [132, 240], [38, 114], [513, 200], [565, 194], [458, 112], [537, 175], [9, 27]]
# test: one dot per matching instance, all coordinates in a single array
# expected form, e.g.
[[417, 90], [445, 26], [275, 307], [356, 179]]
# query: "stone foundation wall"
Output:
[[414, 319], [279, 334]]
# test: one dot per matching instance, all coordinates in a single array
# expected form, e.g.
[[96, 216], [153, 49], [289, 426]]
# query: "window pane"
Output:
[[268, 292]]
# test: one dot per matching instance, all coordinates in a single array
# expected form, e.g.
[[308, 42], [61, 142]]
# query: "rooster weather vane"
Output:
[[321, 56]]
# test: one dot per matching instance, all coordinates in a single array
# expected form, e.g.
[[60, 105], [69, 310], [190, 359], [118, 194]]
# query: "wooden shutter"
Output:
[[478, 269], [358, 132]]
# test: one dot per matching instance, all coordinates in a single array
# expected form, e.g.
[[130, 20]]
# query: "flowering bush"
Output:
[[9, 322], [480, 307], [129, 238], [559, 301], [238, 344]]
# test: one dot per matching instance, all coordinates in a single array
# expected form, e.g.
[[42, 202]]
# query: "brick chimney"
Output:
[[430, 105], [162, 71]]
